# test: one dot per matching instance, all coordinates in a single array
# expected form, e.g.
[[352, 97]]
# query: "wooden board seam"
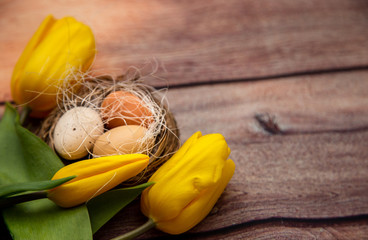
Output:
[[266, 77], [275, 222]]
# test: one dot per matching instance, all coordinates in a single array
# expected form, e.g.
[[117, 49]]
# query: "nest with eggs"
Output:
[[161, 135]]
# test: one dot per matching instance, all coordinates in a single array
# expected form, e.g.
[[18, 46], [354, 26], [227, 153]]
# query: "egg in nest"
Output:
[[76, 132]]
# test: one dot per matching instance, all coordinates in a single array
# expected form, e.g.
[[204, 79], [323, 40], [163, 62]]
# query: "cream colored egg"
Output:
[[122, 140], [76, 132]]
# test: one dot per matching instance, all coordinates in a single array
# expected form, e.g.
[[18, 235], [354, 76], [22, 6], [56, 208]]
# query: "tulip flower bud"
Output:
[[188, 185], [95, 176], [59, 52]]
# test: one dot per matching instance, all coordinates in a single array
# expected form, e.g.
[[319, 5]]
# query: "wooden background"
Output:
[[285, 81]]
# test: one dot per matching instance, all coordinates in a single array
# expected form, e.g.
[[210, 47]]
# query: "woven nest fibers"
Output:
[[161, 135]]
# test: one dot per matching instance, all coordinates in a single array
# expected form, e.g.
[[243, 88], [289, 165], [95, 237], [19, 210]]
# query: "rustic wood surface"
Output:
[[286, 83], [200, 41]]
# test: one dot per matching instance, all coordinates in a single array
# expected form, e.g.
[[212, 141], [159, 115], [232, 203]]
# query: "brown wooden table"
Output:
[[285, 81]]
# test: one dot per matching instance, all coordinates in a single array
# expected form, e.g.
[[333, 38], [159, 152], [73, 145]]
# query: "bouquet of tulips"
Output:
[[42, 198]]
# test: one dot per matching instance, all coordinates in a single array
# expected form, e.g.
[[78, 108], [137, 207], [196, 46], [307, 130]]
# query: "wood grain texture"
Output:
[[302, 176], [344, 228], [287, 229], [316, 168], [200, 41], [299, 142], [306, 104]]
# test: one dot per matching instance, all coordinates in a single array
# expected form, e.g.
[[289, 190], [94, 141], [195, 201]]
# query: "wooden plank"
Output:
[[286, 229], [307, 104], [293, 229], [342, 228], [300, 176], [199, 41], [316, 168], [299, 173]]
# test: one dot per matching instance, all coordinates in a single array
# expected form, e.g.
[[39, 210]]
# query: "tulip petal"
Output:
[[27, 52], [164, 169], [95, 177], [91, 167], [200, 168], [199, 208], [56, 57], [177, 156]]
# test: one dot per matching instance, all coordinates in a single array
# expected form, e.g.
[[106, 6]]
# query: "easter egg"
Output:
[[122, 140], [76, 132], [124, 108]]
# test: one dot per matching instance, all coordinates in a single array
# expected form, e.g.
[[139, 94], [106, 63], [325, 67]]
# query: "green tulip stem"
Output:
[[138, 231], [8, 202], [24, 114]]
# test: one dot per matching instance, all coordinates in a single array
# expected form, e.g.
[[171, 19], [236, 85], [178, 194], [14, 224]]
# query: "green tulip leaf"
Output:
[[26, 158], [31, 186], [103, 207]]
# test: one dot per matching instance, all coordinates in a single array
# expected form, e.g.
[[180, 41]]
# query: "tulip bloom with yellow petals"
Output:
[[57, 55], [94, 177], [188, 185]]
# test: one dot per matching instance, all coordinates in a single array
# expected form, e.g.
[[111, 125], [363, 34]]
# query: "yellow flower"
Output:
[[188, 185], [95, 176], [58, 52]]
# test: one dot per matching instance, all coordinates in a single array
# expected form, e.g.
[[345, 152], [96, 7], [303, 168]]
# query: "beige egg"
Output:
[[76, 132], [122, 140]]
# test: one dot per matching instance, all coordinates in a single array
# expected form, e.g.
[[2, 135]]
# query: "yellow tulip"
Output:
[[59, 52], [95, 176], [188, 185]]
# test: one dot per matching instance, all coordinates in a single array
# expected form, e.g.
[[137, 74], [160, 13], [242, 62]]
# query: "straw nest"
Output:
[[163, 131]]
